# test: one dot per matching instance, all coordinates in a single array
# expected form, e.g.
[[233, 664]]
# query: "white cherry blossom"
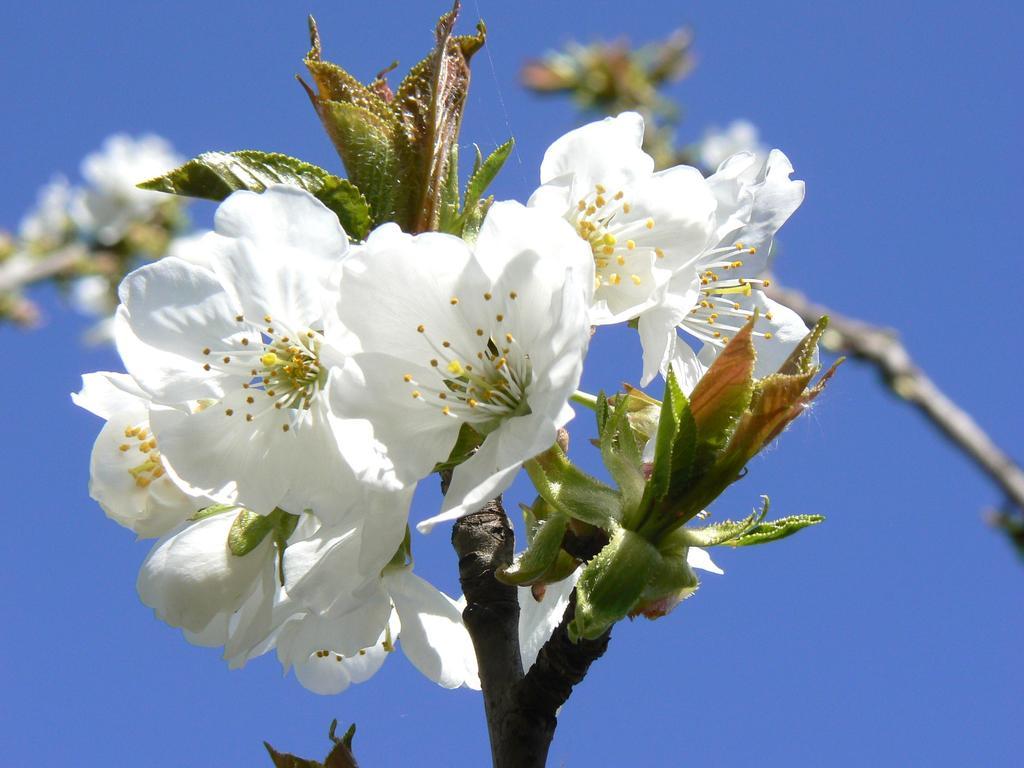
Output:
[[248, 339], [492, 337], [127, 475], [112, 202], [714, 298], [640, 226]]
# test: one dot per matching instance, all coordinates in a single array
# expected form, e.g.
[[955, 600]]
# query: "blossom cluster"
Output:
[[108, 220], [287, 388]]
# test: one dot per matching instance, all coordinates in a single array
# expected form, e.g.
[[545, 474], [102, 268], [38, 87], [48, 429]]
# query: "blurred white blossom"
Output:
[[111, 202]]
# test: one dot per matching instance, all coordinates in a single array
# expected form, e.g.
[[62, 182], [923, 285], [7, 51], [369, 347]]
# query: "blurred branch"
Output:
[[882, 348], [15, 279]]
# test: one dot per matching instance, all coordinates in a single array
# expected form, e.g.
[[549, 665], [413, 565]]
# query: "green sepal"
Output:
[[612, 583], [601, 411], [573, 492], [466, 443], [674, 449], [210, 511], [485, 172], [249, 530], [621, 453], [773, 530], [672, 581], [541, 554], [215, 175]]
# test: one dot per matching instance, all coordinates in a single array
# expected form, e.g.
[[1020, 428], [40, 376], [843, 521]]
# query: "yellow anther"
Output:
[[442, 396], [433, 363], [607, 250], [659, 253], [285, 427], [206, 350], [250, 400], [582, 205], [626, 207], [508, 338], [455, 368], [716, 334], [619, 194], [513, 295], [614, 278], [245, 342], [142, 482], [736, 264], [767, 315], [600, 201], [649, 223], [630, 245], [591, 210], [158, 472], [479, 331], [446, 410], [229, 412], [767, 283], [239, 318], [487, 296], [407, 378], [601, 263], [499, 363], [499, 318], [752, 249], [453, 301], [421, 328], [123, 447], [768, 335], [269, 359], [739, 246], [226, 360], [266, 319], [609, 239], [472, 403], [416, 394], [601, 189], [621, 260], [636, 279]]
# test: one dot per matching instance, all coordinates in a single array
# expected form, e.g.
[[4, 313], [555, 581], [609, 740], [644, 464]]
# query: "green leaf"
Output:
[[773, 530], [721, 532], [573, 492], [397, 147], [724, 391], [601, 411], [249, 530], [611, 583], [486, 172], [668, 430], [215, 175], [540, 555]]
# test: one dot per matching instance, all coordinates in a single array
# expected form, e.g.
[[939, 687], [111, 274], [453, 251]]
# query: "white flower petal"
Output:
[[608, 151], [538, 620], [699, 558], [433, 636]]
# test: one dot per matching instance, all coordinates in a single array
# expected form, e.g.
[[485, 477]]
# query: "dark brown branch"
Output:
[[520, 709], [485, 542], [882, 349]]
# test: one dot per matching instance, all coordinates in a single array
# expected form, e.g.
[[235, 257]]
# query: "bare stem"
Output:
[[59, 261], [881, 348]]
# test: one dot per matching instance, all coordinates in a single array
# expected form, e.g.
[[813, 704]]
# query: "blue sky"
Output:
[[891, 635]]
